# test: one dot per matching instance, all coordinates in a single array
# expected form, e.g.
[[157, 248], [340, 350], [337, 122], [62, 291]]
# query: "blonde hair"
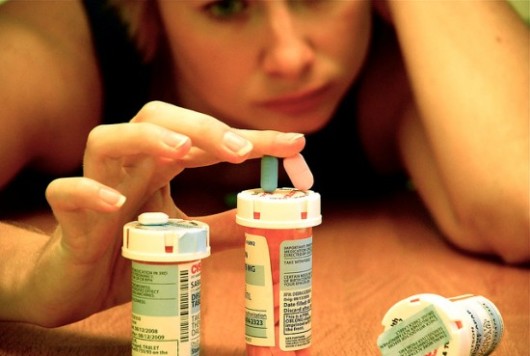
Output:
[[143, 24]]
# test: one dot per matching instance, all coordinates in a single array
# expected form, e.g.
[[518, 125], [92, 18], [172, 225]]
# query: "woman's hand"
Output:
[[127, 170]]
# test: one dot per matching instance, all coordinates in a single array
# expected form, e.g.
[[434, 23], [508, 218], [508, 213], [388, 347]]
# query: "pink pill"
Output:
[[298, 171]]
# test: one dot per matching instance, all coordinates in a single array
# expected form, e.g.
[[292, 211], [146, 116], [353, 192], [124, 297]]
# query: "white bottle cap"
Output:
[[284, 208], [156, 238]]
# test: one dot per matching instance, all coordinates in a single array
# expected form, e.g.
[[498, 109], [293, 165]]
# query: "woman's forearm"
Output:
[[468, 64]]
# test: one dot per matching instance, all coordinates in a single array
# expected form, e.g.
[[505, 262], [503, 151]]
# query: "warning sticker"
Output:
[[416, 335]]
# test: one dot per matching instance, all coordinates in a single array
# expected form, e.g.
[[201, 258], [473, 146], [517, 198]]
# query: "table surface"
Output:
[[365, 258]]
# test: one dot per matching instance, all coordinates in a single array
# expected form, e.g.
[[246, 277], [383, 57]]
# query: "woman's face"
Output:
[[266, 64]]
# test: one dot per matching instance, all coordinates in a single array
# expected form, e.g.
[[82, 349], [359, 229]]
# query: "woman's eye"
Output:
[[226, 8]]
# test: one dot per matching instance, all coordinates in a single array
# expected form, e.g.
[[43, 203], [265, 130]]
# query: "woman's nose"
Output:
[[288, 52]]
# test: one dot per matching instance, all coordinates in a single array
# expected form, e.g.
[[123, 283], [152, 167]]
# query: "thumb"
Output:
[[83, 208]]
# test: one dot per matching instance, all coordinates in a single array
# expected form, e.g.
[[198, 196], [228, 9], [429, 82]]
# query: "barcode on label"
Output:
[[184, 306]]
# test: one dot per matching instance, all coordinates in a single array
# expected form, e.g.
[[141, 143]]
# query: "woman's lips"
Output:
[[297, 103]]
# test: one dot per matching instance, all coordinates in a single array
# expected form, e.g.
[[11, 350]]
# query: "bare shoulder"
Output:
[[50, 85]]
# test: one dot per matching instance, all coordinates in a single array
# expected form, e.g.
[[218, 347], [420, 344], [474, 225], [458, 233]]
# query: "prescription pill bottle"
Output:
[[166, 283], [278, 267], [429, 324]]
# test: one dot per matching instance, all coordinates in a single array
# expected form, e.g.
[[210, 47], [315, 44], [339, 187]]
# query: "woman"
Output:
[[436, 91]]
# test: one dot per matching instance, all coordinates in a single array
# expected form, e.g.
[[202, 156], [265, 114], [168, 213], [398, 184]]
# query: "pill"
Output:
[[269, 173], [298, 171]]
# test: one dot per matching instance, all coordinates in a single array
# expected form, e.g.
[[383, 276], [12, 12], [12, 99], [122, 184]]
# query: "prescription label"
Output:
[[166, 309], [418, 334], [485, 324], [295, 293], [259, 301]]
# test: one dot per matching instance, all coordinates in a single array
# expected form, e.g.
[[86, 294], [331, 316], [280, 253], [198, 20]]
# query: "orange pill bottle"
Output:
[[278, 268]]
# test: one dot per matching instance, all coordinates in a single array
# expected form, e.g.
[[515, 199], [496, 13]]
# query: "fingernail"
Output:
[[291, 136], [237, 144], [111, 197], [175, 140]]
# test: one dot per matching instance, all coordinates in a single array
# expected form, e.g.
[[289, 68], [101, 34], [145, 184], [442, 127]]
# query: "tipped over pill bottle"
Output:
[[429, 324], [278, 267], [166, 259]]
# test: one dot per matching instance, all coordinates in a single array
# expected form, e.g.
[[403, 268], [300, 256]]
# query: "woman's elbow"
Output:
[[500, 229]]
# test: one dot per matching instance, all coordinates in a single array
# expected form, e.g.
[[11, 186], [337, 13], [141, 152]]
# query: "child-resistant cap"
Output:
[[284, 208], [156, 238]]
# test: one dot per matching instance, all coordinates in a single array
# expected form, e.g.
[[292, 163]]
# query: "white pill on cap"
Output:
[[298, 171], [150, 218]]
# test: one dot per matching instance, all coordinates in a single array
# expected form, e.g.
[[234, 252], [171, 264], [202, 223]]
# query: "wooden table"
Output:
[[365, 259]]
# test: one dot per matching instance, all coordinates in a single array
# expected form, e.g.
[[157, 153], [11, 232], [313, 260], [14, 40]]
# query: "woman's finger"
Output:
[[218, 139], [81, 193], [274, 143], [270, 143], [205, 131], [120, 140], [117, 154]]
